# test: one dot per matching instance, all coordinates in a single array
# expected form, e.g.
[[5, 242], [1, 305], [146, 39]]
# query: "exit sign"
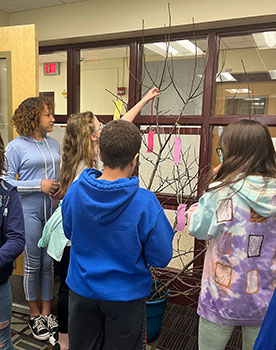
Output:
[[51, 68]]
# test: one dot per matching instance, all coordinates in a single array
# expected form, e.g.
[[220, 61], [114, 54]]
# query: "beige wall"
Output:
[[93, 18], [57, 84], [4, 19]]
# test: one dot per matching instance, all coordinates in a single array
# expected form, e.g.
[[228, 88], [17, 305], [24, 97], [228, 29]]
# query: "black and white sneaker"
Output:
[[38, 328], [53, 340], [51, 323]]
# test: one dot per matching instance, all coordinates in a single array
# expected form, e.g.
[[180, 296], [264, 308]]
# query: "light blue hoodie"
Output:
[[239, 273], [116, 230]]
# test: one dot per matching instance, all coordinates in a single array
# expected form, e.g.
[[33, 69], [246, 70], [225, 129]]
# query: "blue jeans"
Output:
[[5, 316]]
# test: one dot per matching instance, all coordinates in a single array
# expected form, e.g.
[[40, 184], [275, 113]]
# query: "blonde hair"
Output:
[[78, 146]]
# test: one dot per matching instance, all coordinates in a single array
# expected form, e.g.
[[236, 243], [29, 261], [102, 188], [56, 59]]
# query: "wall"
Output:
[[56, 83], [4, 19], [95, 18]]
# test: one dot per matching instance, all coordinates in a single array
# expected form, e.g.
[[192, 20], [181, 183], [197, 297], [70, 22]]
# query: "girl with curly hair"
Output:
[[34, 158], [11, 245], [80, 151]]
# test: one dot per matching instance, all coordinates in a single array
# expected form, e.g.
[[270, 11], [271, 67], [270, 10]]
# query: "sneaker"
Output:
[[51, 323], [38, 328], [53, 340]]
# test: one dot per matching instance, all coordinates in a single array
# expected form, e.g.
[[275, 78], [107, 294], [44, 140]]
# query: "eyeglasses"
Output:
[[219, 151], [102, 125]]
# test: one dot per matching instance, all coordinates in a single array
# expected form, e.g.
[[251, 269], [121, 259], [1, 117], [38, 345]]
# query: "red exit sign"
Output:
[[51, 68]]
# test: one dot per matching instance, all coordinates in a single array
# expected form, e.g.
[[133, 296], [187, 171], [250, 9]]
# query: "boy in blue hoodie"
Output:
[[117, 229]]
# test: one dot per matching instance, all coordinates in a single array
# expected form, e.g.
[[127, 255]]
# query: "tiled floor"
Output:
[[179, 332]]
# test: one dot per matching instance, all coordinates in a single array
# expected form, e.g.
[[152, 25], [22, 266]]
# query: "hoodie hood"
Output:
[[259, 193], [107, 198]]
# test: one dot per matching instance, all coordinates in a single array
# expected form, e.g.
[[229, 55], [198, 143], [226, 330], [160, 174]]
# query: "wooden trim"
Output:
[[175, 131], [73, 80], [207, 109], [170, 120], [269, 120], [61, 118], [133, 97], [169, 201]]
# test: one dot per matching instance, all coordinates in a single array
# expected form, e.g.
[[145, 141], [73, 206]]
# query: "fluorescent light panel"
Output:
[[188, 45], [272, 74], [225, 77], [238, 91], [265, 40], [164, 47]]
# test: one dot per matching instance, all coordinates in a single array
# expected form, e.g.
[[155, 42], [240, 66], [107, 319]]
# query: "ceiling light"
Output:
[[188, 45], [265, 39], [270, 38], [238, 91], [165, 48], [225, 76], [272, 74]]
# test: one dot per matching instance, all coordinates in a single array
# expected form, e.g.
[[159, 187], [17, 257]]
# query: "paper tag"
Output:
[[118, 110], [150, 141], [181, 220], [177, 149]]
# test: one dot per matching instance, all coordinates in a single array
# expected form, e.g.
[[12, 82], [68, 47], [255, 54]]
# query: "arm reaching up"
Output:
[[132, 113]]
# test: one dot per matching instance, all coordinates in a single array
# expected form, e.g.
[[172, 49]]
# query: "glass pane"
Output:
[[3, 101], [180, 74], [178, 179], [104, 76], [53, 79], [272, 131], [183, 244], [246, 77]]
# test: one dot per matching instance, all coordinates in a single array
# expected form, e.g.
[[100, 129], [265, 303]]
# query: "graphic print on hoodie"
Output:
[[240, 263]]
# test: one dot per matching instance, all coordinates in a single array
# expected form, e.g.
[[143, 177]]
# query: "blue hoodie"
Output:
[[12, 238], [116, 229]]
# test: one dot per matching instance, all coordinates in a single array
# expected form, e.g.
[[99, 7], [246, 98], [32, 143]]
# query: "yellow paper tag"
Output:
[[118, 109]]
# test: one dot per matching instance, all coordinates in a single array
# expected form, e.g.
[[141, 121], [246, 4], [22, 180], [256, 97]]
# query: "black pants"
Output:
[[106, 325], [63, 293]]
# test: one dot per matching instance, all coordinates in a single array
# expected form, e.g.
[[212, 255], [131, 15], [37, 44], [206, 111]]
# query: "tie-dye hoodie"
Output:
[[240, 263]]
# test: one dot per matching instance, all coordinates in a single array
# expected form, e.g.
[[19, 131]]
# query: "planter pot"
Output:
[[155, 311]]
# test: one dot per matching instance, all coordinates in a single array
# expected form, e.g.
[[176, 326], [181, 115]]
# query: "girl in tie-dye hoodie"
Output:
[[238, 215]]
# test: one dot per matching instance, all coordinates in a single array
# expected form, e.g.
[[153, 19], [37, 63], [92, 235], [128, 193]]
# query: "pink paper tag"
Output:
[[150, 141], [181, 209], [177, 149]]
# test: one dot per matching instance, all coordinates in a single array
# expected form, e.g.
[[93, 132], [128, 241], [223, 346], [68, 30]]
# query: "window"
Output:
[[246, 75], [104, 80], [178, 69]]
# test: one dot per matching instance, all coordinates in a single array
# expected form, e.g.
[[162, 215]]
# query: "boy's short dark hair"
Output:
[[120, 141]]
